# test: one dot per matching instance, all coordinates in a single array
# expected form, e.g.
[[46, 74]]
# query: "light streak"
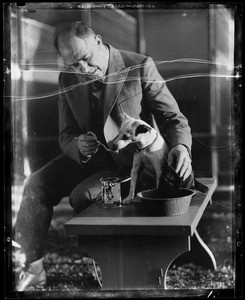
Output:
[[61, 68]]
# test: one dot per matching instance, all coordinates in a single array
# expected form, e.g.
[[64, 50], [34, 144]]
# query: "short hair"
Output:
[[78, 29]]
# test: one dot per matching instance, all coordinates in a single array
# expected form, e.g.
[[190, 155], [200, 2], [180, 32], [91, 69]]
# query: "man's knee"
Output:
[[80, 199], [35, 191]]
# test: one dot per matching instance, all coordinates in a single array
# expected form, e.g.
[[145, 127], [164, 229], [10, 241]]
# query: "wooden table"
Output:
[[134, 251]]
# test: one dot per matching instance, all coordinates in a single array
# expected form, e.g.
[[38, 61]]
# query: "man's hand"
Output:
[[88, 144], [180, 156]]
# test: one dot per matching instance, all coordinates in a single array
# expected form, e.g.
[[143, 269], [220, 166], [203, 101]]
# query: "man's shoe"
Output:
[[29, 281]]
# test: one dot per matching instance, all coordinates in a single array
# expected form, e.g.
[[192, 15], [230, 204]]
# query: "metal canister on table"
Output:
[[111, 191]]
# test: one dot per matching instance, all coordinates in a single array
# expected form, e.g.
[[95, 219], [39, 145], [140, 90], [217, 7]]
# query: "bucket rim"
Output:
[[140, 195]]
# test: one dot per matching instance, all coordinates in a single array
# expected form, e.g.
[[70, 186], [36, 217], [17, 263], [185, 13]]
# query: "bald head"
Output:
[[75, 29]]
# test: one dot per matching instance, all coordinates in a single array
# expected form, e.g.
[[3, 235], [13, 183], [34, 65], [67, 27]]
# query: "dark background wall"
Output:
[[177, 34]]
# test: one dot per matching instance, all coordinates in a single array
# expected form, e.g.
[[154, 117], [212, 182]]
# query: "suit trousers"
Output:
[[45, 188]]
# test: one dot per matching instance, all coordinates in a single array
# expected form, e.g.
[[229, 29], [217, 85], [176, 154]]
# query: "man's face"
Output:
[[87, 55]]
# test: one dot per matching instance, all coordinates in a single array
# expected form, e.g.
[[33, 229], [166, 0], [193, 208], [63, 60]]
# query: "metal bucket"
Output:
[[155, 204], [111, 191]]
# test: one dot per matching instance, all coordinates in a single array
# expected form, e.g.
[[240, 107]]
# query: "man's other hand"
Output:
[[179, 158]]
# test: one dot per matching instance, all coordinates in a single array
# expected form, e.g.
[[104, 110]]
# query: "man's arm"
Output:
[[172, 124]]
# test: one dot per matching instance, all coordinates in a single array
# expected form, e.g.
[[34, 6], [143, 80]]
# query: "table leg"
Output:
[[136, 262], [199, 254], [107, 254]]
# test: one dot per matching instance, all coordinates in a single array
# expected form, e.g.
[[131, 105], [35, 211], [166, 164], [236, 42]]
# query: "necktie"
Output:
[[97, 87]]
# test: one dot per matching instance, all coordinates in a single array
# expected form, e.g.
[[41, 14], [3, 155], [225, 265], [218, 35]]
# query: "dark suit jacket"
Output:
[[133, 86]]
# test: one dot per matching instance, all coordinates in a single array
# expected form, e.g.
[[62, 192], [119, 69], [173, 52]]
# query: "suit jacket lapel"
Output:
[[82, 103], [117, 74]]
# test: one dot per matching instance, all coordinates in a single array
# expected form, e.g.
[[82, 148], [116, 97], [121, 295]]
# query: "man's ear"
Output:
[[98, 39], [142, 128]]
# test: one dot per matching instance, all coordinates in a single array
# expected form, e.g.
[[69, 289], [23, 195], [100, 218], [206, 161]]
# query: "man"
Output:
[[98, 84]]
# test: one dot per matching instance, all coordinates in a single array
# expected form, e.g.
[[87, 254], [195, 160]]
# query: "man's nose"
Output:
[[83, 65]]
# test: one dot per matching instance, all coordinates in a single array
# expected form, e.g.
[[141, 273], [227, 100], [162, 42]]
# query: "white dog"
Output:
[[152, 150]]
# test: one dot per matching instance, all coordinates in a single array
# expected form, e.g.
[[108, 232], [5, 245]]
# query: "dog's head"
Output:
[[131, 131]]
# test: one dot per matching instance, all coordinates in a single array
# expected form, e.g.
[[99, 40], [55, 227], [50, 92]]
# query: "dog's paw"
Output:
[[127, 200]]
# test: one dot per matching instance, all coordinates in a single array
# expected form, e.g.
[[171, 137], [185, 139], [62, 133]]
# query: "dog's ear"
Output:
[[142, 129]]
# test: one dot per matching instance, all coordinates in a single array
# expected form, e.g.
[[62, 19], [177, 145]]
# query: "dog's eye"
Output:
[[125, 137]]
